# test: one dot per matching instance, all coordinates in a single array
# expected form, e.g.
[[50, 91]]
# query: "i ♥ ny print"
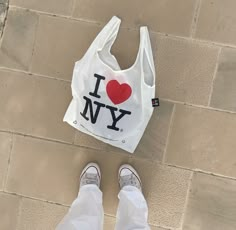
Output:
[[118, 93]]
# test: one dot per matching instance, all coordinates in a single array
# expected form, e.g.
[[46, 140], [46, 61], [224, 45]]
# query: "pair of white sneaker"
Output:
[[87, 212], [127, 176]]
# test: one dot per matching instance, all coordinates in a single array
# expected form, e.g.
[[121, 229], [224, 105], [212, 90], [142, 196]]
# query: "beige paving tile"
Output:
[[51, 171], [36, 107], [9, 206], [17, 106], [203, 139], [211, 204], [63, 7], [217, 21], [5, 148], [39, 215], [83, 139], [18, 39], [224, 90], [185, 70], [65, 43], [117, 150], [51, 99], [109, 223], [153, 142], [165, 189], [165, 16]]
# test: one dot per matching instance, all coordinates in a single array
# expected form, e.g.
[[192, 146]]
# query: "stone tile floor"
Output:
[[187, 156]]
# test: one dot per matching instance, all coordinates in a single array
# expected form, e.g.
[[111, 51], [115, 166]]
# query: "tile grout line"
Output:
[[39, 138], [9, 162], [34, 43], [195, 18], [169, 133], [198, 106], [186, 200], [209, 44], [109, 215], [19, 210], [206, 42], [34, 198], [214, 76], [163, 226], [33, 74], [60, 142], [202, 171], [74, 139], [56, 15]]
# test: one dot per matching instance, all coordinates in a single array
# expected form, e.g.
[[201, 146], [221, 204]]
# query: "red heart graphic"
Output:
[[117, 92]]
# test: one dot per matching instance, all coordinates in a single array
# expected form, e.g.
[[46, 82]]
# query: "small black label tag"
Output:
[[155, 102]]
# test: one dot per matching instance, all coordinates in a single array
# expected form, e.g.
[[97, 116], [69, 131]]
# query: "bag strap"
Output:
[[146, 57], [108, 34]]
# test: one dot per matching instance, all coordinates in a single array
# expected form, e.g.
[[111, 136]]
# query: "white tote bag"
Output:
[[111, 104]]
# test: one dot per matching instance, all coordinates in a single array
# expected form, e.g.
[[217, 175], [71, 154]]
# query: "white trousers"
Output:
[[86, 212]]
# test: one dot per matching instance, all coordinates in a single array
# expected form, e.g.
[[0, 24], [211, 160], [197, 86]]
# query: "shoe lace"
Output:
[[89, 178], [130, 180]]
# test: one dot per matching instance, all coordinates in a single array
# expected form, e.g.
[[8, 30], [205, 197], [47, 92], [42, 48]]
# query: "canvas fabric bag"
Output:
[[111, 104]]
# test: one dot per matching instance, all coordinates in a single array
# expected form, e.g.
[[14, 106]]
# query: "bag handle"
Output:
[[146, 57], [108, 34]]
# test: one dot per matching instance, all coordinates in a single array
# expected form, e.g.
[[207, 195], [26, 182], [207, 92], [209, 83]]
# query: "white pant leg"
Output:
[[132, 211], [86, 212]]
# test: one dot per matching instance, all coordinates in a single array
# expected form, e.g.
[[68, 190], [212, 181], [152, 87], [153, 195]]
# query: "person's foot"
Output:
[[128, 176], [91, 174]]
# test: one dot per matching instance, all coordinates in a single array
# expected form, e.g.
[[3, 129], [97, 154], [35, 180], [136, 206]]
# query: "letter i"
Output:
[[99, 78]]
